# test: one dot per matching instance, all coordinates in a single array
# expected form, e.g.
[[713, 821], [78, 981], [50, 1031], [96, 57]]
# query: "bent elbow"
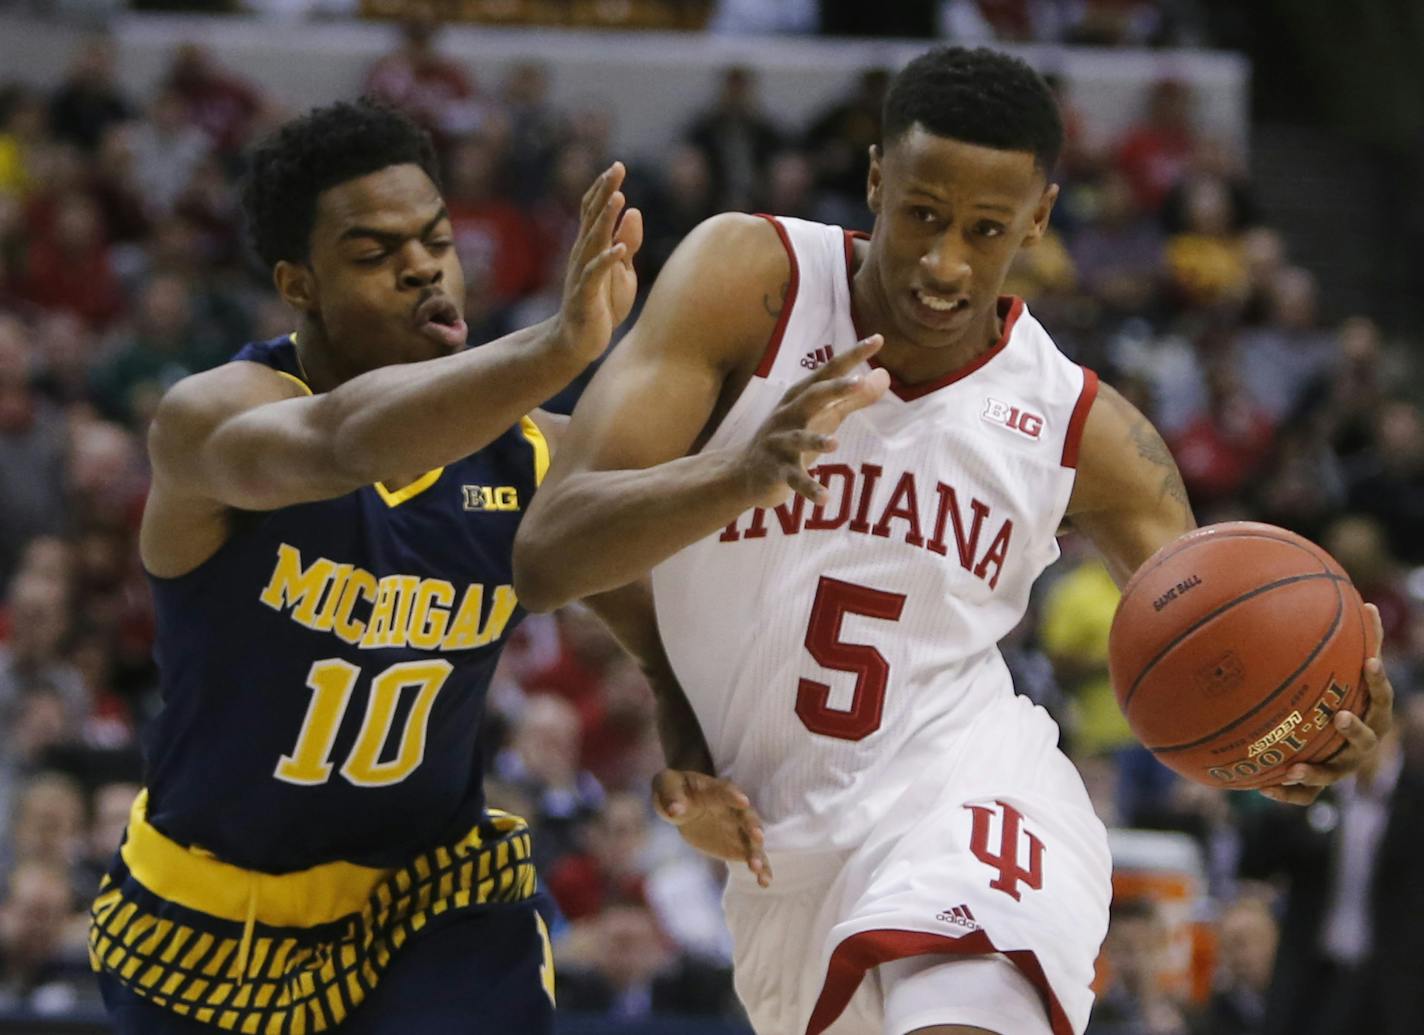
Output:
[[536, 579], [356, 452]]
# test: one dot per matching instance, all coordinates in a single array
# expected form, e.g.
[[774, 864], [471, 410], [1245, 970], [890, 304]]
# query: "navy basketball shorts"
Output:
[[477, 971]]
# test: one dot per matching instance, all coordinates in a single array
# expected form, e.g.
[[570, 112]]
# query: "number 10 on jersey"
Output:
[[332, 681], [834, 600]]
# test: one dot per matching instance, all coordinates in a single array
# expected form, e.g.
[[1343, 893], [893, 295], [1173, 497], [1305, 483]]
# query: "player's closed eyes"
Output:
[[438, 246]]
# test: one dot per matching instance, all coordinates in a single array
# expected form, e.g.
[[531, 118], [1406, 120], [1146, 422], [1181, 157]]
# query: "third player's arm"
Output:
[[711, 814], [623, 495], [1128, 497], [629, 615]]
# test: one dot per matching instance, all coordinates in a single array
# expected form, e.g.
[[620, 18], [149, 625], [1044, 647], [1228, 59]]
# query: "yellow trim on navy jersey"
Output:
[[302, 370], [415, 488], [392, 499], [299, 381], [541, 447], [294, 379], [196, 880]]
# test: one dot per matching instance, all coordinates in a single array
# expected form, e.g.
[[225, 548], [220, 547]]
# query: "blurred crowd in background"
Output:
[[123, 269], [1152, 23]]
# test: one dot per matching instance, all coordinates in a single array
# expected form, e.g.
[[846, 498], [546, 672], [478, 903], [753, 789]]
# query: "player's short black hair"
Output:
[[978, 96], [313, 153]]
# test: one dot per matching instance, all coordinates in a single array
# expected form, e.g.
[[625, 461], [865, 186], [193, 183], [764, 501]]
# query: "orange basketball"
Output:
[[1232, 649]]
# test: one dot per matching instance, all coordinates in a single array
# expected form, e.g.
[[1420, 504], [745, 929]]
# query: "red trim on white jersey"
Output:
[[851, 236], [768, 358], [1079, 418], [858, 953], [1009, 309]]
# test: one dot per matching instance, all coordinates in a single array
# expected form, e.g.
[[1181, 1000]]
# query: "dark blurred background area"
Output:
[[1239, 248]]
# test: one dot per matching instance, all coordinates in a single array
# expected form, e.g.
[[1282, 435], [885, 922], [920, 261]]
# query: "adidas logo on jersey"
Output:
[[1013, 418], [817, 358], [960, 916]]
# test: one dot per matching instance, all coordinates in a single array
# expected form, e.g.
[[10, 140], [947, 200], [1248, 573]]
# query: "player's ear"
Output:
[[873, 181], [1041, 212], [296, 284]]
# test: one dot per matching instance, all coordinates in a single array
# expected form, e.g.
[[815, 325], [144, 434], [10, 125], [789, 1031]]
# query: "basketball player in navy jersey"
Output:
[[834, 619], [328, 539]]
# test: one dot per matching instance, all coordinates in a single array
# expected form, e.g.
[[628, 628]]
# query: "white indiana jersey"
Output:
[[834, 652]]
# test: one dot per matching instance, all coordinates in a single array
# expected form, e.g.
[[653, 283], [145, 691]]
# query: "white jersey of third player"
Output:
[[833, 653]]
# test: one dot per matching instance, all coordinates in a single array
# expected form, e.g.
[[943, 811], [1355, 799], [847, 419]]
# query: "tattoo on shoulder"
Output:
[[1151, 448], [775, 306]]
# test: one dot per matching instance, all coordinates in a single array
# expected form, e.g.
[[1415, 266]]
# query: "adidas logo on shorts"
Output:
[[816, 357], [960, 916]]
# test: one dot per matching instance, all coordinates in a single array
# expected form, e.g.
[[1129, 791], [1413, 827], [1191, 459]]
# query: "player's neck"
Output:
[[903, 354], [321, 368]]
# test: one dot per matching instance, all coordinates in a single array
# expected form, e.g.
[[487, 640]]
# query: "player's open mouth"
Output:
[[939, 303], [438, 318], [938, 310]]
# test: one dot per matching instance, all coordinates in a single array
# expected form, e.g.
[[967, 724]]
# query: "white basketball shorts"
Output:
[[996, 854]]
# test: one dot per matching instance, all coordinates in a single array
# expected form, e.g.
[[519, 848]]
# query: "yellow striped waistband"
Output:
[[198, 880]]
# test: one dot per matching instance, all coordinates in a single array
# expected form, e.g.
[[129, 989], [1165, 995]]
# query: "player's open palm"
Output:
[[600, 284], [804, 423], [714, 817]]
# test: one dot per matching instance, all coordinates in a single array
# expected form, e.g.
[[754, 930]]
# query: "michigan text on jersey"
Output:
[[405, 610]]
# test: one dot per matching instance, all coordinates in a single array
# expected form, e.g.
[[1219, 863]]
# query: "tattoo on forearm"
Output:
[[1152, 449], [774, 307]]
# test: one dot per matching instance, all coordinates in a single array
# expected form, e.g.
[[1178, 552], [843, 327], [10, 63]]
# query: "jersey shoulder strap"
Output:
[[815, 315]]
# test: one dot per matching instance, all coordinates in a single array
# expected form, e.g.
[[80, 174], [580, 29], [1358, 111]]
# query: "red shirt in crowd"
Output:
[[1218, 452], [581, 887], [83, 284], [495, 235], [1154, 159]]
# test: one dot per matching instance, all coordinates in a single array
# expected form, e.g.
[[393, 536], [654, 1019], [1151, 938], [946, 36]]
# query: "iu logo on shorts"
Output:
[[1006, 858]]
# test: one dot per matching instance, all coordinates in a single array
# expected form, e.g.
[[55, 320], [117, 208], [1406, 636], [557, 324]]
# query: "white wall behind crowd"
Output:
[[649, 83]]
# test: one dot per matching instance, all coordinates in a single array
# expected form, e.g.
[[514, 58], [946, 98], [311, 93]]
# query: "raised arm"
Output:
[[624, 494], [243, 437]]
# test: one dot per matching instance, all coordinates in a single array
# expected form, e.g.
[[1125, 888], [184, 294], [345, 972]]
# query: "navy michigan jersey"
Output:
[[324, 672]]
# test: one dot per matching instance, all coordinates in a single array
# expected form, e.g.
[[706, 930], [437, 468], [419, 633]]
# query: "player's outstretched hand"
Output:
[[803, 425], [599, 284], [1304, 782], [714, 817]]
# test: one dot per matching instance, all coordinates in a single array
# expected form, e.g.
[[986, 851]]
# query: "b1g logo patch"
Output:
[[491, 497], [1013, 418]]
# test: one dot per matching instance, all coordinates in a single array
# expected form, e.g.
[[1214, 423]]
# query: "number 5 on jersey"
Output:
[[834, 600], [332, 681]]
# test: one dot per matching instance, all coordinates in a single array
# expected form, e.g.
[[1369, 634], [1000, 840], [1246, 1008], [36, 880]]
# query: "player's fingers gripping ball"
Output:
[[1232, 651]]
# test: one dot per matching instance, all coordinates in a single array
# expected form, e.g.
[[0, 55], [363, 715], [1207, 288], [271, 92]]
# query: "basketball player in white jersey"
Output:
[[840, 529]]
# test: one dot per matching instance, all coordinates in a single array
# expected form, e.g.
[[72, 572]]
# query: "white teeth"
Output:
[[939, 305]]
